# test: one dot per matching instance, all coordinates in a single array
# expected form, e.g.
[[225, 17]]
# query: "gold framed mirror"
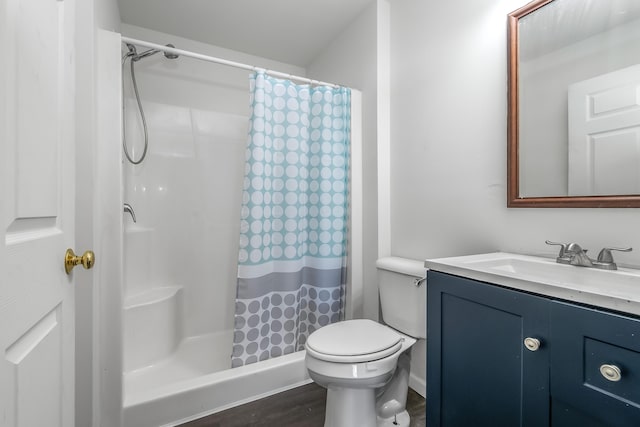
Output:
[[574, 104]]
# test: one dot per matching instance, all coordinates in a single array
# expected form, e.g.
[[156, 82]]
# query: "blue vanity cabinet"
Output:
[[584, 373], [478, 371]]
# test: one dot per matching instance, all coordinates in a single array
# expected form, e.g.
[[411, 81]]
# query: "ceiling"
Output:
[[290, 31]]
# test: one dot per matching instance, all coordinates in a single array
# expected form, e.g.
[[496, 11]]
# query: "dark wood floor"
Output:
[[299, 407]]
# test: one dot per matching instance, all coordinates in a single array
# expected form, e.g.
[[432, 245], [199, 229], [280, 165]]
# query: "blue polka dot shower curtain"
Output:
[[293, 233]]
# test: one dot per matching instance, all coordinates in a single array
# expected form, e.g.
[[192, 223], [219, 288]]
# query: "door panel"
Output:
[[36, 222], [478, 369], [38, 83], [36, 377], [604, 134]]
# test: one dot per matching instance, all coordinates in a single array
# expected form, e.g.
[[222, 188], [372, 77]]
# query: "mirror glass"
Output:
[[575, 100]]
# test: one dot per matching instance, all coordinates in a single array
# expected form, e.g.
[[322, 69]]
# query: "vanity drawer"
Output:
[[595, 363]]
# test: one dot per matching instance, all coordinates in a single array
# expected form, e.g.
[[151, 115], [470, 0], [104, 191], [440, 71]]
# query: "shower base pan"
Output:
[[186, 385]]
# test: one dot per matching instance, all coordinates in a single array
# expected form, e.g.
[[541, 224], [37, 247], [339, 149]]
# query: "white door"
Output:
[[604, 134], [37, 212]]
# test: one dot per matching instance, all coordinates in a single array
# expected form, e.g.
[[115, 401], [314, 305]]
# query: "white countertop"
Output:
[[617, 290]]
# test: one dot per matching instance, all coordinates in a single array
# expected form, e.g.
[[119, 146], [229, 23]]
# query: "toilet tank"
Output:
[[403, 300]]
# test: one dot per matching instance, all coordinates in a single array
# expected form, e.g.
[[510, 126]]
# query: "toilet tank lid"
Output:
[[410, 267]]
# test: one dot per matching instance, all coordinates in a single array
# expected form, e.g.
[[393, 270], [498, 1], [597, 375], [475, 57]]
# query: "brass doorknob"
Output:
[[71, 260]]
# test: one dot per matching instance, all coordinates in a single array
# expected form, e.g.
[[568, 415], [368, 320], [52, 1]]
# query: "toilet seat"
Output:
[[353, 341]]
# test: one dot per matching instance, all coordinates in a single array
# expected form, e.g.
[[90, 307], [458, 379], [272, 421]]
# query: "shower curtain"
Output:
[[293, 236]]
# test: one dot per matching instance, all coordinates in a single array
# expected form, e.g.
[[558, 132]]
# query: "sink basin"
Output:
[[615, 289]]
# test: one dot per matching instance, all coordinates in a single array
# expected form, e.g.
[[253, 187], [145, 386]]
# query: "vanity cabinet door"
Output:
[[595, 367], [479, 372]]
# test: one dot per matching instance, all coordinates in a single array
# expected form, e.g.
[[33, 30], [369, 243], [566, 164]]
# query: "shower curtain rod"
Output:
[[223, 61]]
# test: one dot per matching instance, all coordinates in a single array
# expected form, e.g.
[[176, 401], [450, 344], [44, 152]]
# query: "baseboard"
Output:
[[419, 385]]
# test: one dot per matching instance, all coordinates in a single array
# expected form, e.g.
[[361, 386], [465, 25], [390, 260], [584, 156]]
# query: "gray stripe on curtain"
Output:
[[287, 282]]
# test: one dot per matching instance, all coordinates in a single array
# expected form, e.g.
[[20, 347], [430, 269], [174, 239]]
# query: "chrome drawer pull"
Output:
[[532, 344], [611, 372]]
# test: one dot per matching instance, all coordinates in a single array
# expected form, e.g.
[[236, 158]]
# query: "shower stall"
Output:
[[181, 226]]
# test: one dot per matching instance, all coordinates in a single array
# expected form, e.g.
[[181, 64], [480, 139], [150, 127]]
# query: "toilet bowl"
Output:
[[364, 365], [352, 360]]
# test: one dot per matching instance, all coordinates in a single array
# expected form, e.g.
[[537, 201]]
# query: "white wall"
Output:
[[84, 223], [448, 159], [108, 217], [107, 15], [90, 16]]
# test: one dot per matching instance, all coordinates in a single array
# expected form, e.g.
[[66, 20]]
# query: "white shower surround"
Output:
[[196, 108]]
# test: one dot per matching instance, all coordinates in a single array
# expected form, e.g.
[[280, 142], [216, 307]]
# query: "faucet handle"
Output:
[[563, 247], [564, 256], [605, 254]]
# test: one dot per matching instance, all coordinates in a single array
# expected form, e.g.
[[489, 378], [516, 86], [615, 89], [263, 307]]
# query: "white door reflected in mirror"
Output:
[[604, 134]]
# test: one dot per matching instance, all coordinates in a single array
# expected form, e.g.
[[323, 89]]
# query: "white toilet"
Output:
[[364, 365]]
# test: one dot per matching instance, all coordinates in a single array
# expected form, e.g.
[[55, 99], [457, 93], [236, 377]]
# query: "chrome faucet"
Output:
[[128, 208], [578, 256], [573, 254]]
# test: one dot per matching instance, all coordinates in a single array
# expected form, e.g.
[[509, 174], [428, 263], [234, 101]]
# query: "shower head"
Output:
[[138, 56]]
